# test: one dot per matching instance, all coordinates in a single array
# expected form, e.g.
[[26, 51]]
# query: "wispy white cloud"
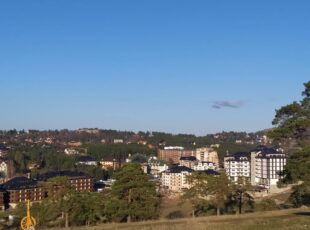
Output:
[[227, 103]]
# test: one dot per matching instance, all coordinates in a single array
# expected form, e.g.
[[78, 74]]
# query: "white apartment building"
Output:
[[262, 166], [238, 165], [71, 152], [175, 178], [157, 168], [118, 141], [204, 165], [188, 161], [269, 164]]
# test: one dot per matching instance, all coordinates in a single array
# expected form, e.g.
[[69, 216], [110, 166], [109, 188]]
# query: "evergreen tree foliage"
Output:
[[212, 190], [133, 196], [292, 125], [242, 196]]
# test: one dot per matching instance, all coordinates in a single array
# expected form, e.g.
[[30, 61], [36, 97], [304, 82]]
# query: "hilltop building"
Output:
[[204, 165], [173, 154], [87, 160], [175, 179], [238, 165], [188, 161], [21, 189], [269, 163], [78, 180], [262, 166], [207, 154], [110, 163]]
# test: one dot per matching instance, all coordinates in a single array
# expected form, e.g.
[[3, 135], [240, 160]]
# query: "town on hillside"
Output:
[[88, 158]]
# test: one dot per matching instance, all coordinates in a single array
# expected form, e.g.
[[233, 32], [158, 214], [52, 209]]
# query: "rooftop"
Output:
[[52, 174], [188, 158], [85, 158], [178, 169], [211, 172], [239, 156], [264, 151], [19, 183]]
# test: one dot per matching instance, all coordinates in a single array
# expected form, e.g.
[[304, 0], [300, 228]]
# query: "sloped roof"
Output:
[[238, 156], [52, 174], [19, 183], [211, 172], [85, 158], [265, 151], [178, 169], [188, 158]]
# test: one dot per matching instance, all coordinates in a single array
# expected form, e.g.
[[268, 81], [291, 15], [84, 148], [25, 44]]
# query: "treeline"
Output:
[[43, 159], [118, 151], [228, 147], [156, 139]]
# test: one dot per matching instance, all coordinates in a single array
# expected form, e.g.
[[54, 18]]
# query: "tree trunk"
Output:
[[66, 220], [193, 213], [129, 201], [218, 211], [240, 204]]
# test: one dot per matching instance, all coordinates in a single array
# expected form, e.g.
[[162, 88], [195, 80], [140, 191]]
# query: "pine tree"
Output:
[[220, 190], [215, 189], [133, 196], [292, 124], [198, 192], [241, 194]]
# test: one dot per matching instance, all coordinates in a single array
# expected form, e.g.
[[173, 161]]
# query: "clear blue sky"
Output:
[[165, 65]]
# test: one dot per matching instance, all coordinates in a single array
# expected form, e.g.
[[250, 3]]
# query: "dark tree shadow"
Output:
[[302, 213]]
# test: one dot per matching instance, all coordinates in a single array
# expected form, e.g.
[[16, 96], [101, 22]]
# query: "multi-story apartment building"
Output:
[[111, 163], [87, 160], [207, 154], [269, 164], [157, 168], [262, 166], [118, 141], [189, 161], [173, 154], [21, 189], [175, 178], [78, 180], [238, 165], [204, 165]]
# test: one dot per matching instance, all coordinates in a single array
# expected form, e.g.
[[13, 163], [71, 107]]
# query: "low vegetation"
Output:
[[283, 219]]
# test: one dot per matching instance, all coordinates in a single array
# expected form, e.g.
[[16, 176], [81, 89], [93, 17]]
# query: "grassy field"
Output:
[[284, 219]]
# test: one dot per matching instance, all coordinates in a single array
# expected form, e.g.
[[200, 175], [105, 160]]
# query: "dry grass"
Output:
[[284, 219]]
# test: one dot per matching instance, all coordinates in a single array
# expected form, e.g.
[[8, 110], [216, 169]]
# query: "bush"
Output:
[[204, 208], [175, 215], [301, 195], [266, 205]]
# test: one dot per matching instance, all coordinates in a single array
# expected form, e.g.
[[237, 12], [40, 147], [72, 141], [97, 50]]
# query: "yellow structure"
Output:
[[28, 222]]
